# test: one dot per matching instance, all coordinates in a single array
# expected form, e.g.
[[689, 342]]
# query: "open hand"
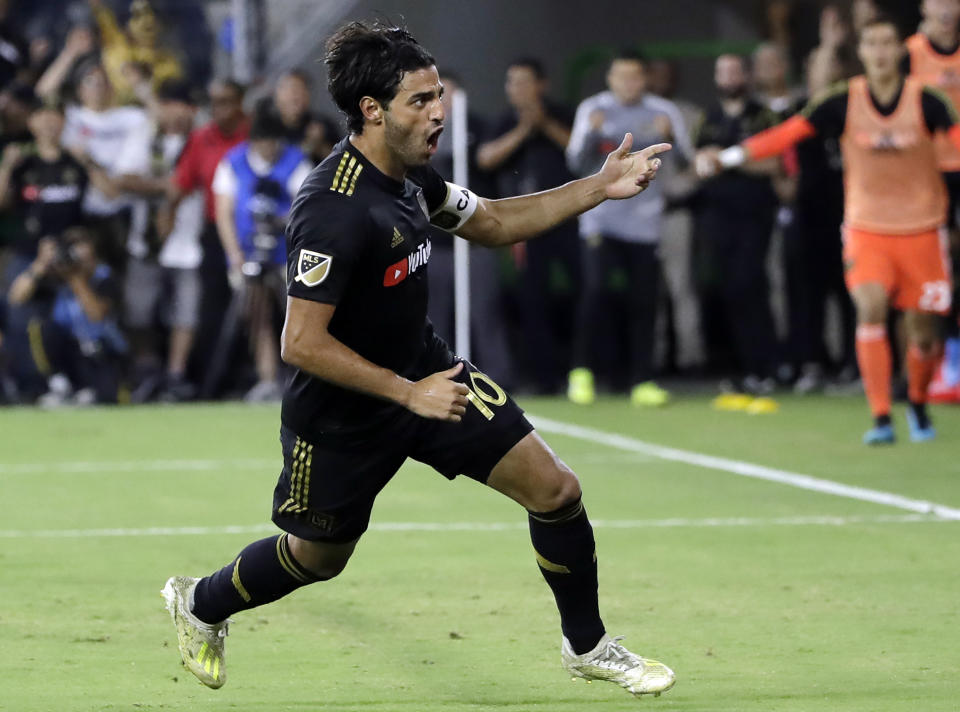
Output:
[[439, 397], [79, 41], [627, 174]]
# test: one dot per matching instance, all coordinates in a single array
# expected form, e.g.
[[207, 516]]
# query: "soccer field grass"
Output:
[[762, 595]]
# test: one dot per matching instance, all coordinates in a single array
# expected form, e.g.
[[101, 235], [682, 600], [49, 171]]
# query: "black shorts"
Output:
[[326, 493]]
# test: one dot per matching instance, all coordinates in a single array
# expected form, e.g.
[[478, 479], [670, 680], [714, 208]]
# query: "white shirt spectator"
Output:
[[101, 135], [181, 249]]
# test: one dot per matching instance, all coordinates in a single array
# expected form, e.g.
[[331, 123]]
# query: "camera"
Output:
[[268, 226], [67, 252]]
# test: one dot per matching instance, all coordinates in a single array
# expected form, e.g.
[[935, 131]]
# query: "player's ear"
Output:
[[371, 109]]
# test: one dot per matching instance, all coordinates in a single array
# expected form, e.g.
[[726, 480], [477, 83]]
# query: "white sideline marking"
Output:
[[810, 520], [745, 469], [96, 467]]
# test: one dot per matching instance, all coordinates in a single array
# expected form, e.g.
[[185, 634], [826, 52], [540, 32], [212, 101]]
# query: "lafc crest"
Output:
[[312, 268]]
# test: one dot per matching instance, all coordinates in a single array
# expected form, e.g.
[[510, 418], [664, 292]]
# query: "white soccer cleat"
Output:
[[612, 662], [201, 644]]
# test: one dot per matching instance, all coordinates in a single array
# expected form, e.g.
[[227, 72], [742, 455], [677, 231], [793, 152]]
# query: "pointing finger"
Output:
[[651, 151], [625, 145]]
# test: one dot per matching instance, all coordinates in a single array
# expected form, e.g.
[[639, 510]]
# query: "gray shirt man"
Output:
[[649, 120]]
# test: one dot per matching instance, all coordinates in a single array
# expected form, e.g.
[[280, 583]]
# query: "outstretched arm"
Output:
[[759, 147], [504, 222], [825, 116]]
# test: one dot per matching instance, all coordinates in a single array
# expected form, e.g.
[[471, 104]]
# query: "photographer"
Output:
[[253, 189], [74, 339]]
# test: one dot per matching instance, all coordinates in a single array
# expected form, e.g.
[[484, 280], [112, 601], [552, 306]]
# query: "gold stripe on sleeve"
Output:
[[336, 177]]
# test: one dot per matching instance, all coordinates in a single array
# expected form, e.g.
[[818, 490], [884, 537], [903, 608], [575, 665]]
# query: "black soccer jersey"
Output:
[[48, 197], [359, 239]]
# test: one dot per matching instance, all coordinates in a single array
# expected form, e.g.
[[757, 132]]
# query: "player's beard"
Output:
[[405, 143]]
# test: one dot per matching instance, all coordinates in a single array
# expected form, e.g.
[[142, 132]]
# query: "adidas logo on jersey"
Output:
[[397, 238], [399, 271]]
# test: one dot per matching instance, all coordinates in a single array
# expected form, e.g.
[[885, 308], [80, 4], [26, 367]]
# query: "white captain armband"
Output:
[[456, 209]]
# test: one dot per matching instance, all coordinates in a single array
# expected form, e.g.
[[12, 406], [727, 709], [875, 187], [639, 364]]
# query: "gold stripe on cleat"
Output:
[[203, 652], [216, 669]]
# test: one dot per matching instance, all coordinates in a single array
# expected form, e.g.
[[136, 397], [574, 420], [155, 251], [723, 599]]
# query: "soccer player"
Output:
[[895, 208], [934, 58], [374, 385]]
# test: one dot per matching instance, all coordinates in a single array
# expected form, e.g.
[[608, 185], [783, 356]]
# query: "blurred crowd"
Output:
[[143, 208]]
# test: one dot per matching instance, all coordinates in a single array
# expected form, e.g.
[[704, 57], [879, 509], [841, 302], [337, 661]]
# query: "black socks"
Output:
[[263, 572], [920, 413], [566, 552]]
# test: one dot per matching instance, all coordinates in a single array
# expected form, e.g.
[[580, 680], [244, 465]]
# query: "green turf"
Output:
[[763, 617]]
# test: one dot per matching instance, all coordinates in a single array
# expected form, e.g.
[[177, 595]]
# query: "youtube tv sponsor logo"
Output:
[[399, 271]]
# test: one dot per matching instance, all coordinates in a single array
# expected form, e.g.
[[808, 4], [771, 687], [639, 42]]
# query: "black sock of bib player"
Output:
[[263, 572], [566, 552]]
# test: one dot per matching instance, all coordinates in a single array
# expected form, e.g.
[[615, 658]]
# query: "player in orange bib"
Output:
[[934, 59], [895, 208]]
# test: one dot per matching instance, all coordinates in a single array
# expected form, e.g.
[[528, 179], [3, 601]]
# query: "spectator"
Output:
[[77, 343], [79, 45], [527, 152], [771, 68], [734, 223], [621, 235], [43, 187], [14, 53], [95, 134], [676, 247], [17, 100], [194, 171], [315, 135], [254, 187], [834, 58], [162, 271], [863, 11], [488, 337], [771, 87], [813, 248], [137, 46]]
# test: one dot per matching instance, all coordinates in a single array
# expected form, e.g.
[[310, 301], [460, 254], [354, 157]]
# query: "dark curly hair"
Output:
[[370, 60]]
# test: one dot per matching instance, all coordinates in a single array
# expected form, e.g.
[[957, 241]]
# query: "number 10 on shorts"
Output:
[[490, 393]]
